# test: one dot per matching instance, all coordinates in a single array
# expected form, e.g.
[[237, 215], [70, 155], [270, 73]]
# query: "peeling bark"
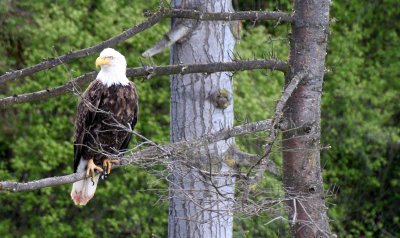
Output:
[[302, 129]]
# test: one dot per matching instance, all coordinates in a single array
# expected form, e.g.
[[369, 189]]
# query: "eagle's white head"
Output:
[[113, 68]]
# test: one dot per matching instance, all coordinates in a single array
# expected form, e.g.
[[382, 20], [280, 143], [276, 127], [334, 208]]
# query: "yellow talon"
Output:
[[107, 164], [91, 167]]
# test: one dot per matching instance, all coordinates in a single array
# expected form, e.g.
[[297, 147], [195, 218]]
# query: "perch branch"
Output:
[[148, 71], [152, 19], [148, 153]]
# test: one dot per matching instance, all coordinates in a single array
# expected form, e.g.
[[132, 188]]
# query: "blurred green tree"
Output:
[[360, 118]]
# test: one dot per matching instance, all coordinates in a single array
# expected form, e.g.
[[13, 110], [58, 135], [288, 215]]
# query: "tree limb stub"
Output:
[[148, 153], [169, 39], [149, 22], [148, 71]]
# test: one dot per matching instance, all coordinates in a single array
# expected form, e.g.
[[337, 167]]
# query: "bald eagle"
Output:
[[107, 112]]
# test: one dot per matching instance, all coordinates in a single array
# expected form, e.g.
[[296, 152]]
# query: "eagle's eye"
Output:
[[110, 57]]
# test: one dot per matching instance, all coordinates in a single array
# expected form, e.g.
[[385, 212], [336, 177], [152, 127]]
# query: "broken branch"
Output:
[[176, 33]]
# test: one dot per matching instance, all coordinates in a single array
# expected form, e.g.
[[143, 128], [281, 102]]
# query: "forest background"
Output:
[[360, 117]]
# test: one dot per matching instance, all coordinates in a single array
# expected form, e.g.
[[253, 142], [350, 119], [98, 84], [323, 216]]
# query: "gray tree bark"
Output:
[[200, 205], [301, 141]]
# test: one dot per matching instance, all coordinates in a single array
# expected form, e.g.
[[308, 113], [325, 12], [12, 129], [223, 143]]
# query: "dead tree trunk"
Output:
[[200, 205], [301, 139]]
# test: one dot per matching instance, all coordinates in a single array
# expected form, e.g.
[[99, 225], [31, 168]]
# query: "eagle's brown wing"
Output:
[[87, 109], [135, 106]]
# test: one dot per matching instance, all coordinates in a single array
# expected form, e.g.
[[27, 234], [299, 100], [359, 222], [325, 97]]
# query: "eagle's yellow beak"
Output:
[[102, 61]]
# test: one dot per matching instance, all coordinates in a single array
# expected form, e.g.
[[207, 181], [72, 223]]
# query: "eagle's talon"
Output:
[[107, 164], [104, 175], [91, 169]]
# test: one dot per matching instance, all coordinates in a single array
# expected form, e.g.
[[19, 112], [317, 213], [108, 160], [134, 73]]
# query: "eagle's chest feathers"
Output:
[[112, 116], [117, 102]]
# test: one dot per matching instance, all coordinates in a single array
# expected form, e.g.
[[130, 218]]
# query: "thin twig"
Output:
[[245, 159]]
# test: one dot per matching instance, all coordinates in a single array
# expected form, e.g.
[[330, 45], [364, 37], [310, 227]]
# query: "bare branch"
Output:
[[148, 153], [52, 62], [47, 93], [231, 16], [148, 72], [153, 19]]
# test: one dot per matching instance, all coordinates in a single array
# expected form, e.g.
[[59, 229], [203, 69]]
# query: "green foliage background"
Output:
[[360, 117]]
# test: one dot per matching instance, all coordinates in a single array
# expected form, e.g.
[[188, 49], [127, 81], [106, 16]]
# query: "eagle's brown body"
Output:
[[105, 116]]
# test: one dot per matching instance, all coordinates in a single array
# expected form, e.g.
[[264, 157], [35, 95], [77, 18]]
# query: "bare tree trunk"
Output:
[[200, 205], [301, 141]]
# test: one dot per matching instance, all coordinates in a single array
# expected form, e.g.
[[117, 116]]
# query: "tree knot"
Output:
[[222, 98]]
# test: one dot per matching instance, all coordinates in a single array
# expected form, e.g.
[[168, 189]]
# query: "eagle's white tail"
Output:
[[83, 190]]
